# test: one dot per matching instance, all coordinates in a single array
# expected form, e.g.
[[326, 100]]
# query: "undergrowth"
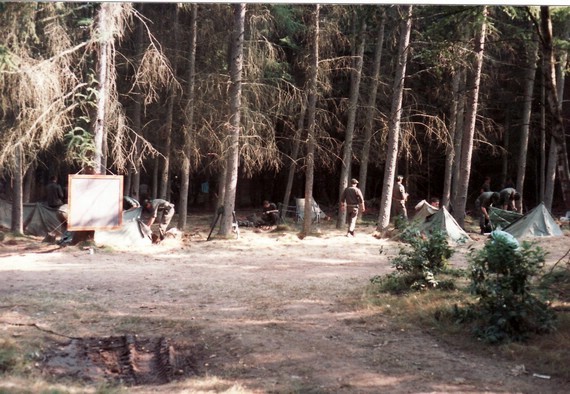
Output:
[[504, 301]]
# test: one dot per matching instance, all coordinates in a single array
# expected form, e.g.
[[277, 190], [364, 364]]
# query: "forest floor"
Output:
[[266, 313]]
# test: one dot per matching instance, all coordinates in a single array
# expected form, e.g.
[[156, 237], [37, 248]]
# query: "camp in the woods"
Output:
[[284, 198]]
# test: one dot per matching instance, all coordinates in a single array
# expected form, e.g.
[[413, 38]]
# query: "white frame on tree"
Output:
[[95, 202]]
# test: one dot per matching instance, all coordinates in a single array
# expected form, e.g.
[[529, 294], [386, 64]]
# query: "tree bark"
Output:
[[232, 158], [371, 108], [356, 75], [394, 122], [555, 106], [100, 130], [164, 189], [188, 120], [450, 151], [311, 116], [134, 189], [473, 81]]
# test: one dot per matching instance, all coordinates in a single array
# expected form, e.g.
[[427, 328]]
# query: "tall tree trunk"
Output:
[[527, 111], [164, 189], [103, 71], [295, 153], [450, 148], [394, 122], [371, 107], [555, 107], [232, 158], [356, 75], [541, 195], [458, 140], [311, 120], [188, 121], [137, 115], [18, 201], [473, 81]]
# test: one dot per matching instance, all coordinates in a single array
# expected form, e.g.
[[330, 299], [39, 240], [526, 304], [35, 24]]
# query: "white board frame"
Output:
[[95, 202]]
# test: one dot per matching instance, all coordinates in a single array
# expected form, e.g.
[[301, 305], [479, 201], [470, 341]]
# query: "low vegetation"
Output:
[[505, 300]]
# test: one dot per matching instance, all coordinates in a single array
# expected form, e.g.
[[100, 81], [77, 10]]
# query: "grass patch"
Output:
[[435, 310]]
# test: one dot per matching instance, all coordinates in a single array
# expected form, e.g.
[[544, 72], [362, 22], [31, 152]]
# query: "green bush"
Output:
[[501, 276], [422, 258]]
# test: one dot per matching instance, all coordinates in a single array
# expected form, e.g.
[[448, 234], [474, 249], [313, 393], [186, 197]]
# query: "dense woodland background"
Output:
[[151, 92]]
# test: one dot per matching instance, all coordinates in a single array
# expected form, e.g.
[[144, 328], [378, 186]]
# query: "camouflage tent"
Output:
[[443, 221], [501, 218], [39, 219], [423, 209], [536, 223]]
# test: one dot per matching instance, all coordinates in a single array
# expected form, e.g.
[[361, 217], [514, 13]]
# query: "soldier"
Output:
[[351, 199], [152, 208]]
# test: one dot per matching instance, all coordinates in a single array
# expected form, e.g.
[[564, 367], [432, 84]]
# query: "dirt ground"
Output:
[[265, 313]]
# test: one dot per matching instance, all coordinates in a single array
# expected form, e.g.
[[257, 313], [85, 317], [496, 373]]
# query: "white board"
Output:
[[95, 202]]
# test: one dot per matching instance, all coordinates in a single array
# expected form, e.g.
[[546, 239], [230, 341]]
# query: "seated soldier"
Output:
[[270, 216]]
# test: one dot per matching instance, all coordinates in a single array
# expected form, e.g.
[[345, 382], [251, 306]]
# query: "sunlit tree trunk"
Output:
[[345, 170], [100, 133], [394, 122], [527, 111], [232, 158], [473, 81], [311, 120], [188, 121], [371, 108]]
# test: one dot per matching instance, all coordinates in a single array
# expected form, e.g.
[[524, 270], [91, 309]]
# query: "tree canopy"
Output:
[[53, 93]]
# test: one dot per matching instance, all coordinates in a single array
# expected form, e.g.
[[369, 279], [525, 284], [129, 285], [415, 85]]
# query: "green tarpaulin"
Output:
[[536, 223]]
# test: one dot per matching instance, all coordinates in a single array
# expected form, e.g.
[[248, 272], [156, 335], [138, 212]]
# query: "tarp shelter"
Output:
[[423, 209], [443, 221], [39, 219], [536, 223], [501, 218], [131, 233]]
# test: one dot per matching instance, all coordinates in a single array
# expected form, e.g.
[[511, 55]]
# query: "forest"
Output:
[[227, 105]]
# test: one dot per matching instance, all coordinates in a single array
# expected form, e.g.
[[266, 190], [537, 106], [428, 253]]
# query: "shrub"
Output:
[[501, 276], [422, 258]]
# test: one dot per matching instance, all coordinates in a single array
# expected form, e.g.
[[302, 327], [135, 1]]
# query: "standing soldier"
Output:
[[352, 199], [400, 197]]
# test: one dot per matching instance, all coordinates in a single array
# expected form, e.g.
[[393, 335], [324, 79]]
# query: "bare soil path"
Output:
[[267, 313]]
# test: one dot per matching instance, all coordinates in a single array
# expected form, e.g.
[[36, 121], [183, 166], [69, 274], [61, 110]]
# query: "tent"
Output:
[[443, 221], [501, 218], [39, 219], [423, 209], [133, 232], [536, 223]]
